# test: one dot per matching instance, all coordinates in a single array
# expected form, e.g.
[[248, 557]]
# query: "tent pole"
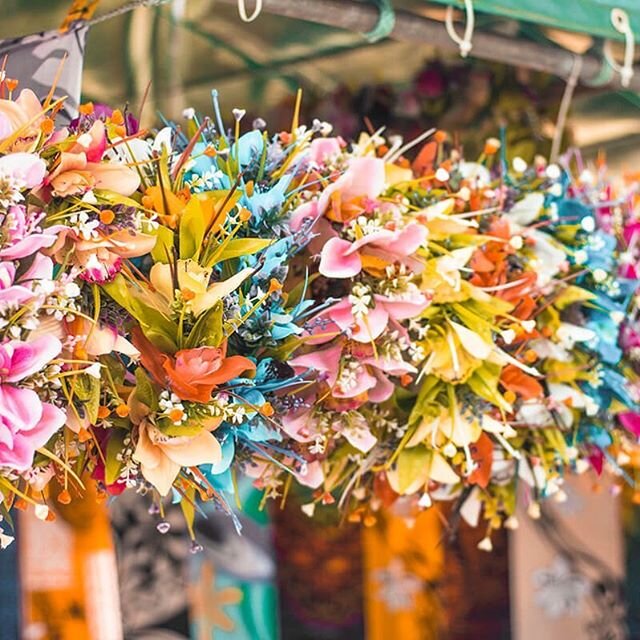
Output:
[[409, 27]]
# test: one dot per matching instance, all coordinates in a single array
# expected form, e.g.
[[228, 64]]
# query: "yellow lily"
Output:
[[193, 281]]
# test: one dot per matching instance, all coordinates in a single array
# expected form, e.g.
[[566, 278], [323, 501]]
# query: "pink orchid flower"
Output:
[[367, 374], [343, 259], [323, 149], [348, 196], [26, 423], [29, 168], [18, 359], [14, 294], [24, 237], [303, 425], [340, 318]]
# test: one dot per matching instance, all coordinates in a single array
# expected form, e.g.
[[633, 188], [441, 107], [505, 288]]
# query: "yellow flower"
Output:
[[450, 425], [442, 276], [193, 282]]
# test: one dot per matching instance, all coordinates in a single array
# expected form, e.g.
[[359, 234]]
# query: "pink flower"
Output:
[[369, 327], [20, 121], [631, 422], [18, 359], [24, 237], [322, 149], [26, 167], [347, 197], [26, 424], [343, 259], [356, 373]]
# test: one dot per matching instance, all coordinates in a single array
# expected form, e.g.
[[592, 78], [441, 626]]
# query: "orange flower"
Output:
[[482, 454], [195, 373], [521, 383], [167, 204]]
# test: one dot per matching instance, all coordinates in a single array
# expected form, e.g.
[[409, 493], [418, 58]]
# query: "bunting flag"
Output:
[[40, 59], [79, 11], [404, 562], [9, 592]]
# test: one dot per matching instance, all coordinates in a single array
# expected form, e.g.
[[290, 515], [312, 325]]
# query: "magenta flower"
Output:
[[24, 238], [631, 422], [26, 424], [18, 359], [343, 259]]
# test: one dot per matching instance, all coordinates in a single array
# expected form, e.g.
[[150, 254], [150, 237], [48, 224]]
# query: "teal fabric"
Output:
[[386, 21], [588, 16]]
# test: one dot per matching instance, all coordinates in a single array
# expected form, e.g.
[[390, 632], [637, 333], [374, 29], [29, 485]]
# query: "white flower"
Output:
[[519, 165], [93, 370], [553, 172]]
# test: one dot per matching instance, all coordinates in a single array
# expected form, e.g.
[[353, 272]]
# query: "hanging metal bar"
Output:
[[409, 27]]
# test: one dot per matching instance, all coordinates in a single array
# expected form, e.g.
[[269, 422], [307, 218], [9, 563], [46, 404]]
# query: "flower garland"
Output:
[[183, 306], [473, 349]]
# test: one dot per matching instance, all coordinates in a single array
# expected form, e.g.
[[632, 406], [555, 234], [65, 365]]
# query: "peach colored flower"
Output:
[[20, 122], [195, 373], [162, 457], [75, 175]]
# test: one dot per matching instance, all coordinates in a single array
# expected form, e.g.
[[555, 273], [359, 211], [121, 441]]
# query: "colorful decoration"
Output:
[[186, 306]]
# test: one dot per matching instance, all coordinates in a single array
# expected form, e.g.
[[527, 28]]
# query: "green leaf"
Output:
[[413, 467], [294, 296], [484, 382], [188, 429], [192, 227], [164, 244], [113, 466], [240, 247], [145, 392], [86, 388], [571, 295], [431, 386], [187, 504], [160, 330], [116, 369], [207, 331]]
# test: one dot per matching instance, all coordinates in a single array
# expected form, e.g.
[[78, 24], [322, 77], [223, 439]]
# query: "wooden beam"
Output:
[[409, 27]]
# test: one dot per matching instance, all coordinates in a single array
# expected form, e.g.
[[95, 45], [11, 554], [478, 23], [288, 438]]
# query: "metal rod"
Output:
[[409, 27]]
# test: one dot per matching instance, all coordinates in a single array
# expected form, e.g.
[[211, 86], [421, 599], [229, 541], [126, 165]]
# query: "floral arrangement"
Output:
[[187, 305], [474, 347], [145, 306]]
